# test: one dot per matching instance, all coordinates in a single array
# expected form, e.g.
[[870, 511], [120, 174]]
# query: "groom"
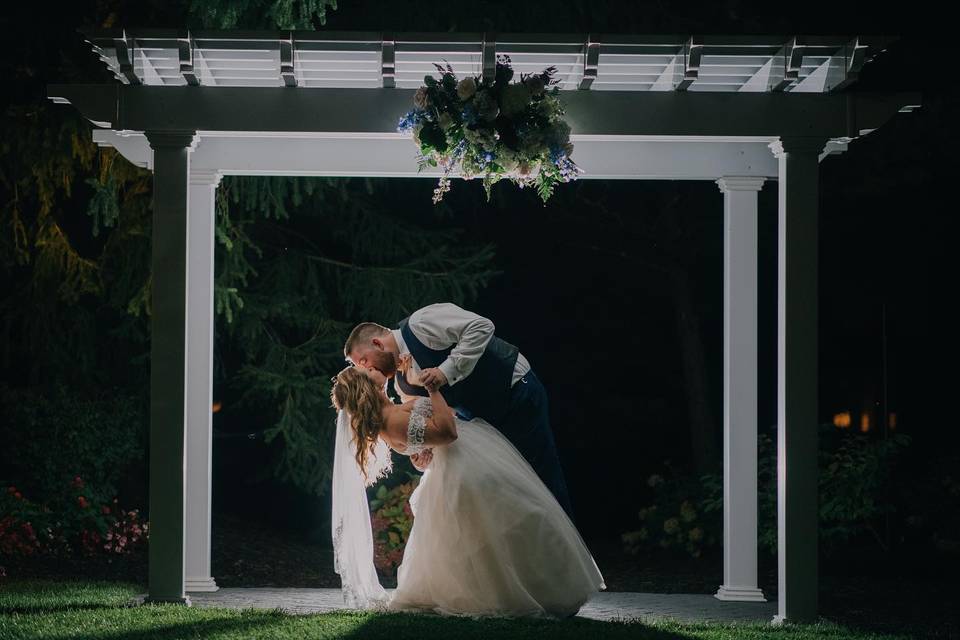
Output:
[[479, 375]]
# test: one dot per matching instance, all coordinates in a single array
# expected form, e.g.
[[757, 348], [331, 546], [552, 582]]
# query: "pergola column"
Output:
[[740, 389], [797, 508], [200, 251], [168, 380]]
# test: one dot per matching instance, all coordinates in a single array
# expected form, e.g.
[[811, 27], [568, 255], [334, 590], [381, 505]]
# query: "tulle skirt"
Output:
[[488, 537]]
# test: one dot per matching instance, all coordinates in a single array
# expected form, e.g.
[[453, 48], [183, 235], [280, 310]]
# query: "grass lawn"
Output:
[[58, 609]]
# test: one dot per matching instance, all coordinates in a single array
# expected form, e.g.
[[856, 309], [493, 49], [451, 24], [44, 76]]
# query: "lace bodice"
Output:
[[417, 426]]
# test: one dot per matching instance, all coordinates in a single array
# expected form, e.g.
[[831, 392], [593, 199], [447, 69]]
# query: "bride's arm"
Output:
[[442, 427]]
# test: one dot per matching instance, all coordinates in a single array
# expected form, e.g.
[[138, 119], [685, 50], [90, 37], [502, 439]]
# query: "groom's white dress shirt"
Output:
[[441, 325]]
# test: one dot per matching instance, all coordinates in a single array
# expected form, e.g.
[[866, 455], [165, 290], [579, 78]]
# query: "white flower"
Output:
[[466, 88]]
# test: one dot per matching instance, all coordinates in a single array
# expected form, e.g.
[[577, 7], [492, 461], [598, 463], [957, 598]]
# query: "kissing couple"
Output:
[[493, 533]]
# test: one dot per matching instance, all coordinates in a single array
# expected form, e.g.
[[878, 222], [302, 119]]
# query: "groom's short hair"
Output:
[[362, 334]]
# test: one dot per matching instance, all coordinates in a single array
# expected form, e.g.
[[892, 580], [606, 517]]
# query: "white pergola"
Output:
[[738, 110]]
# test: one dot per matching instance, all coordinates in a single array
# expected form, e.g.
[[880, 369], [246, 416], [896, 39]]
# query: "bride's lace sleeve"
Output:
[[417, 426]]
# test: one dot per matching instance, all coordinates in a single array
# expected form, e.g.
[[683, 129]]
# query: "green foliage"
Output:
[[391, 519], [854, 494], [299, 262], [682, 518], [51, 438], [79, 519], [855, 472], [63, 291], [492, 129], [65, 457], [257, 14], [932, 505]]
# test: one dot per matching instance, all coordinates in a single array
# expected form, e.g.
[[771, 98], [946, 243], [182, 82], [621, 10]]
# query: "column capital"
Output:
[[797, 144], [209, 177], [172, 139], [740, 183]]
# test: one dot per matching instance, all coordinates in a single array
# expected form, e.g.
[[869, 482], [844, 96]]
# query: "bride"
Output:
[[488, 537]]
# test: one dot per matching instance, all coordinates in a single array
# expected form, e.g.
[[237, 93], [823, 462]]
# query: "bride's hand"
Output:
[[422, 460], [431, 377]]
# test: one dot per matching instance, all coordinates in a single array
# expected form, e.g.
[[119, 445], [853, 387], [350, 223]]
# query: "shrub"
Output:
[[53, 437], [392, 520], [66, 456], [681, 519], [88, 526], [854, 472]]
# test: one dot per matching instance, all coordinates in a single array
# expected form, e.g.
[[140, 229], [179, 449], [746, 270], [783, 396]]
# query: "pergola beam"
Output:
[[692, 53], [591, 60], [287, 57], [393, 156], [620, 113], [785, 73], [185, 48]]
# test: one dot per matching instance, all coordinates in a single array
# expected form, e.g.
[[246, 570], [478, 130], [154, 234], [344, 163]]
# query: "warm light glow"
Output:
[[864, 422], [892, 421], [842, 420], [216, 406]]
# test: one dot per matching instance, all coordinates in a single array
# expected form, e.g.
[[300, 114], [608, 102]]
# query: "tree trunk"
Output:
[[706, 454]]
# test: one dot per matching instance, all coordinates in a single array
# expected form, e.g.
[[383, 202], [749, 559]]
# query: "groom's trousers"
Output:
[[527, 425]]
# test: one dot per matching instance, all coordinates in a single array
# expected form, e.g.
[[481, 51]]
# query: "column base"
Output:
[[200, 584], [185, 600], [739, 594]]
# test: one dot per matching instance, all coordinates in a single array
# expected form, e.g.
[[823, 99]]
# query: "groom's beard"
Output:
[[385, 363]]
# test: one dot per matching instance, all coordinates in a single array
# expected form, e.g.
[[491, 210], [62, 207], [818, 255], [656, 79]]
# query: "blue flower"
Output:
[[469, 114], [411, 119]]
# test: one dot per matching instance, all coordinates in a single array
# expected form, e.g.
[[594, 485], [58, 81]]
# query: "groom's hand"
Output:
[[422, 460], [432, 378]]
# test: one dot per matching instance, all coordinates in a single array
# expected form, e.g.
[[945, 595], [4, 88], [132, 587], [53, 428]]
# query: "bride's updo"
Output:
[[359, 396]]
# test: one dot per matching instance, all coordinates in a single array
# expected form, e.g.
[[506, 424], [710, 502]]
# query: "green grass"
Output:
[[101, 610]]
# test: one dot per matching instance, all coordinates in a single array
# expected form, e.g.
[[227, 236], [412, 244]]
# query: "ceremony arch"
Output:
[[738, 110]]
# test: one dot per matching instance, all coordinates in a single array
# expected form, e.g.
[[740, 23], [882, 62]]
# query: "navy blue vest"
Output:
[[485, 392]]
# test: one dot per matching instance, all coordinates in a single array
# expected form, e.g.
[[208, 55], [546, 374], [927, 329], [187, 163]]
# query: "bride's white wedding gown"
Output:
[[488, 537]]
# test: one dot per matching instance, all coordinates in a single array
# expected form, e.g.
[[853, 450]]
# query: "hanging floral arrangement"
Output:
[[493, 129]]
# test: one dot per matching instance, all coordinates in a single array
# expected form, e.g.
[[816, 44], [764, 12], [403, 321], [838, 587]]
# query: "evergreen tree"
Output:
[[299, 260]]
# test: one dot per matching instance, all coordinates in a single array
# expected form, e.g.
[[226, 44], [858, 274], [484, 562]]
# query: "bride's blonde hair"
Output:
[[359, 396]]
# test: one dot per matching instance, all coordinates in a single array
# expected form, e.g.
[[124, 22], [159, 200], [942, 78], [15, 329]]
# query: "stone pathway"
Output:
[[604, 606]]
